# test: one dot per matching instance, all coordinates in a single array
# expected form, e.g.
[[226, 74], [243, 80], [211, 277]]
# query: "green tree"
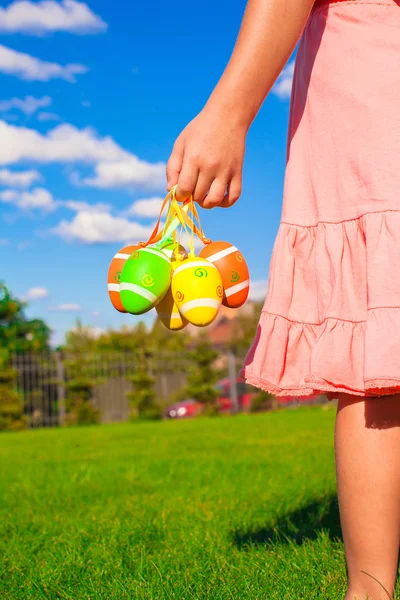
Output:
[[17, 334], [244, 330], [81, 376], [163, 340], [142, 398], [202, 373], [11, 405], [126, 339]]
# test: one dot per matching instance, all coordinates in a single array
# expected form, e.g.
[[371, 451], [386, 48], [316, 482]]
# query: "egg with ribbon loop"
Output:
[[114, 275], [174, 251], [233, 270], [197, 290], [145, 279]]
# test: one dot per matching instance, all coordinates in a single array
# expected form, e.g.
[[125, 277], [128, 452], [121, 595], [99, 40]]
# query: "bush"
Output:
[[142, 398], [12, 416], [202, 375], [79, 386], [263, 401]]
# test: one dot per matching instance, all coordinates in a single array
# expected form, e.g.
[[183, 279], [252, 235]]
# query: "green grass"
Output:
[[224, 508]]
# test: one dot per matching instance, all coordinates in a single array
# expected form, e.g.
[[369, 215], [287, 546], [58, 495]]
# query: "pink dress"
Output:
[[331, 319]]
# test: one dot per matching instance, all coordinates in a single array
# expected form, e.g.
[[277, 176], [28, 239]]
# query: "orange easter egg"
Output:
[[233, 270], [114, 274]]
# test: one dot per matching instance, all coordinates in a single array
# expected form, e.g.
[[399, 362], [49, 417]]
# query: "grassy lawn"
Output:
[[224, 508]]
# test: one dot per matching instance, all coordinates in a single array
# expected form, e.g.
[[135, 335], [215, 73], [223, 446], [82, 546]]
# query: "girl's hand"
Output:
[[207, 160]]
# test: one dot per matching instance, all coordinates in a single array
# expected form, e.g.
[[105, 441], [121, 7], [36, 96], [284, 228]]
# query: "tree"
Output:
[[163, 340], [81, 376], [11, 405], [202, 374], [244, 330], [17, 334], [143, 398], [126, 339]]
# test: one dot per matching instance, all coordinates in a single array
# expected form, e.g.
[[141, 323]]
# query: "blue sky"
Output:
[[92, 97]]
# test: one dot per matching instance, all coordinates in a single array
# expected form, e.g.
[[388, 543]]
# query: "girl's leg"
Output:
[[367, 444]]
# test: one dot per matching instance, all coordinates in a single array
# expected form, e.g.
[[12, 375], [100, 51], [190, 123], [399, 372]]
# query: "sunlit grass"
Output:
[[225, 508]]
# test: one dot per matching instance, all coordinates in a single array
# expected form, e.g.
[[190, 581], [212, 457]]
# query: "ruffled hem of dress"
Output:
[[303, 360], [267, 386], [331, 319], [377, 387]]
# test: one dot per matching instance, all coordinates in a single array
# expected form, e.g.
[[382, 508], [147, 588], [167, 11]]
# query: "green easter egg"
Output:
[[145, 279]]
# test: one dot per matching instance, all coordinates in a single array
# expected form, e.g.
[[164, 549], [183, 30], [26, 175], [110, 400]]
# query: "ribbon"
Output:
[[183, 215]]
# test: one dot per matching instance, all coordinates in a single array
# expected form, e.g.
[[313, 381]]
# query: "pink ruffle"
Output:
[[331, 319]]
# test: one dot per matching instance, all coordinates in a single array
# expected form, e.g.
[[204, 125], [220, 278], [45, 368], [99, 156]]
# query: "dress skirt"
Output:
[[331, 319]]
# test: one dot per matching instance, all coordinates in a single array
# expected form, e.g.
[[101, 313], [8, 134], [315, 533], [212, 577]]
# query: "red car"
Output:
[[192, 408], [290, 401]]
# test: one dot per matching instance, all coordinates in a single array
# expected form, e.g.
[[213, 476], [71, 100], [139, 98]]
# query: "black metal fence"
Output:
[[42, 381]]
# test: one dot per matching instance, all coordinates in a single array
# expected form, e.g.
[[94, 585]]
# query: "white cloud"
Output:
[[66, 307], [39, 198], [89, 330], [96, 332], [22, 179], [36, 293], [30, 68], [258, 289], [126, 173], [47, 16], [78, 206], [283, 85], [48, 116], [114, 166], [27, 105], [4, 242], [99, 227], [42, 199], [64, 143], [86, 103], [146, 207]]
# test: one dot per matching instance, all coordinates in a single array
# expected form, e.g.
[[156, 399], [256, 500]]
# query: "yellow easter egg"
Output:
[[197, 290], [169, 314]]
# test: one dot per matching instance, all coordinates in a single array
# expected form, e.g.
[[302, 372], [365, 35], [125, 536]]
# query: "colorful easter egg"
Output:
[[114, 275], [233, 269], [174, 251], [145, 280], [169, 314], [197, 290]]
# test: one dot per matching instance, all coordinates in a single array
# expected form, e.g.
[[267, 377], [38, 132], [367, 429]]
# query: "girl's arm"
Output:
[[207, 157]]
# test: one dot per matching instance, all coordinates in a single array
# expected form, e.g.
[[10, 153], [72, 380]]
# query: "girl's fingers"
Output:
[[202, 187], [233, 193], [187, 181], [174, 164], [215, 195]]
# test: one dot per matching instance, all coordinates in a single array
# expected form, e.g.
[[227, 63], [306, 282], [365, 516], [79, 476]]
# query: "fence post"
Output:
[[233, 392], [60, 388]]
